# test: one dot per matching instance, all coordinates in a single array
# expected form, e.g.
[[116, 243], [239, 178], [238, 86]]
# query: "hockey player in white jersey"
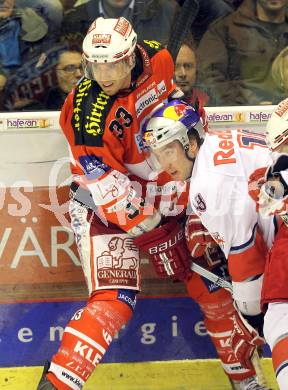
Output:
[[218, 165], [269, 188]]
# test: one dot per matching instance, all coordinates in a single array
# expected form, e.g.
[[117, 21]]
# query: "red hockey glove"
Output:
[[197, 236], [166, 247], [244, 340]]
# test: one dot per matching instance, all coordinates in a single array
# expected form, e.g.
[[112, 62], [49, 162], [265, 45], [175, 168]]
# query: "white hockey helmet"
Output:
[[170, 122], [109, 45], [277, 126]]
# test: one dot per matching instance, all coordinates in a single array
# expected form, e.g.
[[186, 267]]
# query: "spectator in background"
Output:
[[210, 10], [26, 88], [68, 72], [69, 4], [22, 31], [185, 74], [151, 19], [280, 71], [3, 80], [236, 52], [50, 10]]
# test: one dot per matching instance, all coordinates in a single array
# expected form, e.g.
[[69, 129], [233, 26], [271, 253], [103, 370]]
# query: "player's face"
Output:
[[185, 69], [112, 87], [112, 77], [173, 160], [273, 5]]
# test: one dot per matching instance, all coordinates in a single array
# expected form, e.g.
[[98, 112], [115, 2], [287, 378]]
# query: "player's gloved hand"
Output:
[[197, 236], [166, 247], [256, 180], [268, 187], [244, 340]]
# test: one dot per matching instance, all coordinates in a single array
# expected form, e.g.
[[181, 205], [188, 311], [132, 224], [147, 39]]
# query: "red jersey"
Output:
[[275, 287], [104, 135]]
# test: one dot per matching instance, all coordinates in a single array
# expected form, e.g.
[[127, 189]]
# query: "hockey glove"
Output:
[[256, 180], [197, 236], [268, 187], [244, 340], [166, 248]]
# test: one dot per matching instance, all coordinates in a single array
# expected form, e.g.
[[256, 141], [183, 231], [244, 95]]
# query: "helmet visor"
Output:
[[106, 71], [161, 159]]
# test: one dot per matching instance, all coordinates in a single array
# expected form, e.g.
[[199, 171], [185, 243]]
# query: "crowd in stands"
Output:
[[236, 52]]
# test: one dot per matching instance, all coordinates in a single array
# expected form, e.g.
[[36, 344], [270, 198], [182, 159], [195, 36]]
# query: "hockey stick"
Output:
[[186, 17], [212, 277], [228, 286]]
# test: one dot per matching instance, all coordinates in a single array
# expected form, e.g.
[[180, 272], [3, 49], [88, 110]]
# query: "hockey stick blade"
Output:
[[183, 23]]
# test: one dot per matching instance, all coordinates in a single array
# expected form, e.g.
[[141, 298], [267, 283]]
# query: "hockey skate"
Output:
[[248, 384], [44, 384]]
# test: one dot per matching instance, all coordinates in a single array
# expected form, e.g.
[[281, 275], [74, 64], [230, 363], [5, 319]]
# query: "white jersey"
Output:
[[219, 188]]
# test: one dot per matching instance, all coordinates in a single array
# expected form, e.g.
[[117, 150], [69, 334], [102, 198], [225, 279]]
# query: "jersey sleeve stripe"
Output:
[[247, 244]]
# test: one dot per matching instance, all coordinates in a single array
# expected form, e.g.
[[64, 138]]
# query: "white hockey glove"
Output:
[[269, 189]]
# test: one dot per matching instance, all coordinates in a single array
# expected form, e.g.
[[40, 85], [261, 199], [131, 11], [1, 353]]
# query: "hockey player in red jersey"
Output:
[[269, 189], [101, 119], [218, 166]]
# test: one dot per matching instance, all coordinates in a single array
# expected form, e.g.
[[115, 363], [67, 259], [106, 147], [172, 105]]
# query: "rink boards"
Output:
[[165, 346], [161, 329], [41, 283]]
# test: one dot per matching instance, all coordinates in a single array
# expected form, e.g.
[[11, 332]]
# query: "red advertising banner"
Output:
[[38, 256]]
